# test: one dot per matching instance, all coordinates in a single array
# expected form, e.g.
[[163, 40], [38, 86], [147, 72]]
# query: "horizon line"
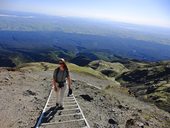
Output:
[[85, 17]]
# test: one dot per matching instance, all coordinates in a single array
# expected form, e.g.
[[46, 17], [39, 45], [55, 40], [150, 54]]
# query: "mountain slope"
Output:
[[150, 82], [111, 104], [107, 68]]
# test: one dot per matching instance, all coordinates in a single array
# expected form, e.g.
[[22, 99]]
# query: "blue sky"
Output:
[[149, 12]]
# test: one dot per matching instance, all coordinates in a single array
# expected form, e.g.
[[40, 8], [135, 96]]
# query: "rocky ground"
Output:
[[112, 109], [23, 96]]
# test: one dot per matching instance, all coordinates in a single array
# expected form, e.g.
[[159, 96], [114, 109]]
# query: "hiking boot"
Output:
[[61, 107], [57, 104]]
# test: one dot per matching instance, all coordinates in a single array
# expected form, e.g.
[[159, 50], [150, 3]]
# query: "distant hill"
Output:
[[107, 68], [149, 82], [47, 46]]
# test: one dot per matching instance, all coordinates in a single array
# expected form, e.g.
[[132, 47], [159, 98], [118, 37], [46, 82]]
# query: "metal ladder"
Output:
[[70, 117]]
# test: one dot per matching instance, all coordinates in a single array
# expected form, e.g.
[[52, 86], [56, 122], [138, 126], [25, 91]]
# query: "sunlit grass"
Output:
[[37, 66], [85, 70], [43, 66]]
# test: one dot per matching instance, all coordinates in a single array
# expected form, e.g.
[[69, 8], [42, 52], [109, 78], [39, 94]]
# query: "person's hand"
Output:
[[55, 88], [52, 84]]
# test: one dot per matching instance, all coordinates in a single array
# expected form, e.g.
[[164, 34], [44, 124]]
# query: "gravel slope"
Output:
[[116, 110], [23, 96]]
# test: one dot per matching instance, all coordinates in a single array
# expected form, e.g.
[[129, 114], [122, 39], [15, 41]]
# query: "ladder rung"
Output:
[[62, 122], [68, 99], [69, 102], [71, 105], [66, 105], [69, 109], [54, 98], [49, 106], [70, 114]]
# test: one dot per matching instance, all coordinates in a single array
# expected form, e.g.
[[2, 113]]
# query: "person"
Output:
[[60, 76]]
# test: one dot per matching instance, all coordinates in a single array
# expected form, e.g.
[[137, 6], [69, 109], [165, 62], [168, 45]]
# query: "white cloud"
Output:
[[15, 16]]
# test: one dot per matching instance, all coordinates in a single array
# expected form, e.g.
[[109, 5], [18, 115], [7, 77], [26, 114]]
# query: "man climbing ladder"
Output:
[[60, 76]]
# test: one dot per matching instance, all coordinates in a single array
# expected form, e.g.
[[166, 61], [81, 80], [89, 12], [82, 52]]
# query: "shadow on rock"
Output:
[[87, 97], [134, 123], [28, 93], [113, 123]]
